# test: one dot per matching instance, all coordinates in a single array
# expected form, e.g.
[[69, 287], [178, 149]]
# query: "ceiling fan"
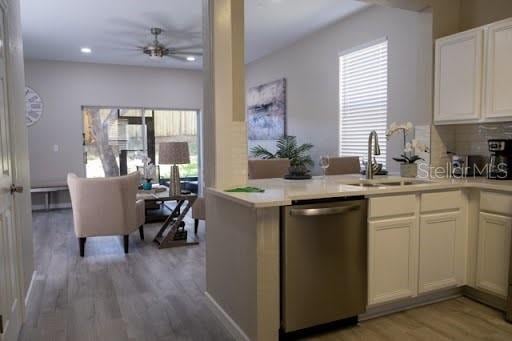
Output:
[[157, 50]]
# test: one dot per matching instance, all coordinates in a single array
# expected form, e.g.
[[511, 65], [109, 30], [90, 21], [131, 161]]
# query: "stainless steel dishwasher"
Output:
[[323, 263]]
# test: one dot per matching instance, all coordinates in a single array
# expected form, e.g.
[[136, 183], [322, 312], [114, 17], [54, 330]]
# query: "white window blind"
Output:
[[363, 99]]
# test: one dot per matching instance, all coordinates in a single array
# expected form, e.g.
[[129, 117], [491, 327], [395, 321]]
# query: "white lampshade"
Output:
[[173, 153]]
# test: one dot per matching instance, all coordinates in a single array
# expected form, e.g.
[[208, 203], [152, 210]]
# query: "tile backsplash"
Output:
[[472, 139], [465, 139]]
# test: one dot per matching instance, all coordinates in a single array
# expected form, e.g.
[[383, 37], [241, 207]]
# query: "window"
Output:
[[363, 99]]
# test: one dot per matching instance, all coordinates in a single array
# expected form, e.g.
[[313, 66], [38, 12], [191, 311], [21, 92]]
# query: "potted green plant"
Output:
[[408, 158], [288, 148]]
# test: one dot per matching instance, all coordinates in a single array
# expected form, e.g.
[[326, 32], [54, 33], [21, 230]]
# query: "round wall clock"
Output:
[[33, 106]]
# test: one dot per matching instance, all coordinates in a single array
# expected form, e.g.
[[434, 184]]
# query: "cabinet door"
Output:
[[499, 71], [493, 259], [392, 259], [458, 77], [440, 259]]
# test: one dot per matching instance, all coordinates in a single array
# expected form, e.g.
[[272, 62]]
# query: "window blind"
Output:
[[363, 99]]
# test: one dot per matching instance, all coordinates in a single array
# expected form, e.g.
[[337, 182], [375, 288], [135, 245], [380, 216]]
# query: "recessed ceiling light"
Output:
[[191, 58], [86, 50]]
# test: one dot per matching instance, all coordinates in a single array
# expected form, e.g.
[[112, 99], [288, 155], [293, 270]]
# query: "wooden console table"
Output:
[[174, 221]]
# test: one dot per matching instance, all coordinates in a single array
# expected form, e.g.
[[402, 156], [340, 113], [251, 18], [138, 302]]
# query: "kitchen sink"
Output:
[[370, 183]]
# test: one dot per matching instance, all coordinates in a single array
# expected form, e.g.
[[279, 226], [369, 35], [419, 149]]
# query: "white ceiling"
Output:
[[57, 29]]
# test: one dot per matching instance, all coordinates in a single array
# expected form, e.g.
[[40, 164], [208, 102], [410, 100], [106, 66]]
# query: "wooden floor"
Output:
[[154, 294]]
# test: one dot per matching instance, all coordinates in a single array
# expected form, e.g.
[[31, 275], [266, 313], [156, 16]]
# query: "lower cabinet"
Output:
[[392, 259], [440, 258], [493, 255]]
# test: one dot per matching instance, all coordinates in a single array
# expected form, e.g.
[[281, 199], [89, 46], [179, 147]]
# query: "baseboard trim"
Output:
[[225, 319], [409, 303], [30, 286], [485, 298]]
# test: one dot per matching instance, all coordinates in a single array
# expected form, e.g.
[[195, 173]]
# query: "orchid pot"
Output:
[[408, 170]]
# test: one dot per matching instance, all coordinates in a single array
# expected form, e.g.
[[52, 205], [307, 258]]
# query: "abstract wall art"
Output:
[[266, 111]]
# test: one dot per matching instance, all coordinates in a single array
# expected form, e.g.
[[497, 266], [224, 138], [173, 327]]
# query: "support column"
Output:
[[224, 129]]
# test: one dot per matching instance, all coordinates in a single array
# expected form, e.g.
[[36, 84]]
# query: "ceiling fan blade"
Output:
[[181, 59], [127, 48], [190, 47], [197, 54]]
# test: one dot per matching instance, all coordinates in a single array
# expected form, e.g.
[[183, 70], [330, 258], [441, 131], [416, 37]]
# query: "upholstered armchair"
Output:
[[106, 207], [198, 212]]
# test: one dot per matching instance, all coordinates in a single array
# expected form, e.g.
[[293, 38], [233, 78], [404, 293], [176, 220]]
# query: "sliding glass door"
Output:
[[117, 140]]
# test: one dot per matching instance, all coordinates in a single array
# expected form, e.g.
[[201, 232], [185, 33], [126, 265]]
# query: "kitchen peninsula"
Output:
[[428, 240]]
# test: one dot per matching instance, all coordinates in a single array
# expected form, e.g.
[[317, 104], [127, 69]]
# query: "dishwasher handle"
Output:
[[313, 212]]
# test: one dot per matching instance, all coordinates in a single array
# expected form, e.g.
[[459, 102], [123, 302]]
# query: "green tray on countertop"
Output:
[[247, 189]]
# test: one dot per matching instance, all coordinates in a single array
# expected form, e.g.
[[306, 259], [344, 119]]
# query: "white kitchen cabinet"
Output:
[[458, 77], [440, 258], [499, 71], [493, 255], [392, 262]]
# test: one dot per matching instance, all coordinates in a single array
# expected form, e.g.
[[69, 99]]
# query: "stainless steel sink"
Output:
[[366, 183]]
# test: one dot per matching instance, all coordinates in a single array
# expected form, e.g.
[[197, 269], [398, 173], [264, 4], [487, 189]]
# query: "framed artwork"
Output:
[[266, 111]]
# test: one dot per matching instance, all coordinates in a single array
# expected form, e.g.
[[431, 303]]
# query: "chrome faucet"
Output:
[[376, 148]]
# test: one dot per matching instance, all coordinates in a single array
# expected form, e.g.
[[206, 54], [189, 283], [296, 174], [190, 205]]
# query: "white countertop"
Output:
[[281, 192]]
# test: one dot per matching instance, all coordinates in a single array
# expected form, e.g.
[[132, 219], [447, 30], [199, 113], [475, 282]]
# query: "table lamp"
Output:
[[174, 153]]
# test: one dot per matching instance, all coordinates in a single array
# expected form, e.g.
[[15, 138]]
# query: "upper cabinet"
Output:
[[459, 77], [499, 71], [473, 75]]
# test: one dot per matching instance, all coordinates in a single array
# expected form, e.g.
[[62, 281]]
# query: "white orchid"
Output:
[[409, 148], [395, 127], [419, 146]]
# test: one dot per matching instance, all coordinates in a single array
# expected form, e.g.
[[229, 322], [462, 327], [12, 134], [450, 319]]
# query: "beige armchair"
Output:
[[198, 212], [106, 207]]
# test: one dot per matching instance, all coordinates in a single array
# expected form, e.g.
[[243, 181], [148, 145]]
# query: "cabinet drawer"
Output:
[[441, 201], [392, 206], [495, 202]]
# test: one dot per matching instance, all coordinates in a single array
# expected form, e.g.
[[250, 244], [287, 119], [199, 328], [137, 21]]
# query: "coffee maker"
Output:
[[500, 161]]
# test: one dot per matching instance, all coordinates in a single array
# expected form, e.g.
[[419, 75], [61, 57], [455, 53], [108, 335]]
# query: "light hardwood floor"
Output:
[[154, 294]]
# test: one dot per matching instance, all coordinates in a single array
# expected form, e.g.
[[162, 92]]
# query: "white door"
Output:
[[499, 71], [458, 77], [392, 263], [10, 309], [493, 256], [438, 261]]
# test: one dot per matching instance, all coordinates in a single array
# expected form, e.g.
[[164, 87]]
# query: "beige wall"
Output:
[[474, 13], [446, 12]]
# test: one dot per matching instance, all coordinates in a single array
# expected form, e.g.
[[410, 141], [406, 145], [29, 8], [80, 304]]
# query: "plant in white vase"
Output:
[[149, 173], [408, 158]]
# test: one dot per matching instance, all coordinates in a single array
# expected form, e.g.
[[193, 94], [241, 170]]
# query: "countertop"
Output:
[[281, 192]]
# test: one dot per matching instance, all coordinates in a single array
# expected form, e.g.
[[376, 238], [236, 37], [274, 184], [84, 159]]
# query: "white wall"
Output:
[[66, 86], [311, 69]]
